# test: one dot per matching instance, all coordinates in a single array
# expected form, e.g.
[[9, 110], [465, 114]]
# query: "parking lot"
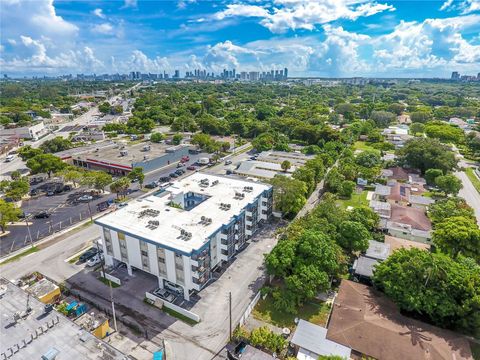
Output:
[[66, 210]]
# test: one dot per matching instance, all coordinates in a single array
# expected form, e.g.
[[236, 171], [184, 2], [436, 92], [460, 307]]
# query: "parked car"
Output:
[[179, 165], [253, 157], [122, 204], [103, 206], [50, 192], [34, 192], [85, 198], [193, 151], [67, 187], [95, 260], [173, 175], [42, 215], [164, 179], [229, 172], [24, 215], [151, 185], [228, 162], [185, 158], [88, 254], [180, 172], [9, 158], [191, 167]]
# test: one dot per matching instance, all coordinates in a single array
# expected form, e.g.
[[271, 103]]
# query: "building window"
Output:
[[179, 268], [144, 255], [123, 247], [107, 236], [162, 267]]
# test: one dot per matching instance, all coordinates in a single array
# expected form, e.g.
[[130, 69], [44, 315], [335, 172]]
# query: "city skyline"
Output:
[[325, 38]]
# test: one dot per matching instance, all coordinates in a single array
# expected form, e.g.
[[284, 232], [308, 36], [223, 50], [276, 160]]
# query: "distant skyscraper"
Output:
[[285, 73], [177, 74], [455, 75]]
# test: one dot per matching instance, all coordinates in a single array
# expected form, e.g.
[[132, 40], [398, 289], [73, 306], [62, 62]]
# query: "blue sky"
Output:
[[311, 38]]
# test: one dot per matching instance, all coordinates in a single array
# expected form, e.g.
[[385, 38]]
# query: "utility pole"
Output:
[[230, 312], [29, 233], [110, 286], [90, 211]]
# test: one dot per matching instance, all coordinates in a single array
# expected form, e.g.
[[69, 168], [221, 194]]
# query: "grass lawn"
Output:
[[22, 254], [473, 178], [362, 145], [106, 281], [475, 347], [358, 199], [314, 311], [179, 316]]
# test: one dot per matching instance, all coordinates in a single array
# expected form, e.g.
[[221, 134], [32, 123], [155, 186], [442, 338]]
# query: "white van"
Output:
[[9, 158]]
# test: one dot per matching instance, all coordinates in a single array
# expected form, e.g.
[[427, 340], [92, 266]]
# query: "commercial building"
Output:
[[34, 132], [28, 331], [181, 234], [119, 158]]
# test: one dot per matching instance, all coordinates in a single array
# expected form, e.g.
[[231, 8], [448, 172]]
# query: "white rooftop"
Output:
[[172, 220]]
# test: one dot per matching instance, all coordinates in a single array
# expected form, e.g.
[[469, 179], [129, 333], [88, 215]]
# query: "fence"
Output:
[[249, 309], [173, 307]]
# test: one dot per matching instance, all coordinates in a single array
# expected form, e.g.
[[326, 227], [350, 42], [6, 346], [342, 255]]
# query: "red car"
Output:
[[191, 167], [185, 159]]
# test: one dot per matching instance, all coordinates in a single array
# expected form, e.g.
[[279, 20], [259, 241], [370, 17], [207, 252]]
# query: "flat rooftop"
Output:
[[172, 220], [295, 157], [262, 169], [66, 337], [109, 151]]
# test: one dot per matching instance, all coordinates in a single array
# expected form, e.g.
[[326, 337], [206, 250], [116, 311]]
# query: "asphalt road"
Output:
[[469, 193]]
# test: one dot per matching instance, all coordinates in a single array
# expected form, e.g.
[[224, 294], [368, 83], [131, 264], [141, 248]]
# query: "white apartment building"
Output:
[[181, 234]]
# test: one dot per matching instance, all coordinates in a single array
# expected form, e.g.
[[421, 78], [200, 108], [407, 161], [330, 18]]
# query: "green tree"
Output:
[[431, 175], [382, 118], [346, 189], [368, 159], [27, 152], [97, 179], [72, 174], [105, 108], [157, 137], [8, 213], [353, 236], [45, 163], [288, 195], [449, 184], [137, 174], [306, 175], [433, 285], [417, 128], [16, 189], [444, 208], [365, 216], [426, 153], [120, 186], [420, 116], [177, 139], [55, 145], [285, 165], [263, 142], [15, 175], [334, 180], [458, 235], [317, 165]]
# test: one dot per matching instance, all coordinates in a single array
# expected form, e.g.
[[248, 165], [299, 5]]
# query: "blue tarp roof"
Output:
[[158, 355], [71, 305]]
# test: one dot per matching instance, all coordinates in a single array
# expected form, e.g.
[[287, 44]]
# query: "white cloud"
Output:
[[304, 14], [464, 6], [105, 29], [12, 42], [99, 13], [129, 4]]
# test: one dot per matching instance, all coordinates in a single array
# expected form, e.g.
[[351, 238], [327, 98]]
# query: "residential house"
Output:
[[398, 243], [371, 325], [363, 266], [382, 192], [383, 209], [408, 223], [310, 342]]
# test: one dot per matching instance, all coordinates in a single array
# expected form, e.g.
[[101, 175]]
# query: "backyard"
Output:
[[313, 311], [357, 199]]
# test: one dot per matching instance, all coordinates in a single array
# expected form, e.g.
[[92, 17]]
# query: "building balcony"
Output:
[[223, 236], [194, 262], [248, 232], [223, 257], [197, 287], [223, 246], [263, 217]]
